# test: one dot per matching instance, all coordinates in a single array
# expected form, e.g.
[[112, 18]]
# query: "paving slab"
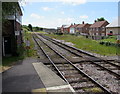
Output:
[[21, 78], [52, 82]]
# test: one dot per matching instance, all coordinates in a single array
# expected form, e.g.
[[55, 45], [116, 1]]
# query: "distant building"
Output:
[[113, 28], [66, 29], [83, 29], [12, 32], [58, 31], [98, 29], [73, 28]]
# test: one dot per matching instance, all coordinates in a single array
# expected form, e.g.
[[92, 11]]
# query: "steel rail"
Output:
[[86, 75], [81, 51], [110, 71], [61, 75]]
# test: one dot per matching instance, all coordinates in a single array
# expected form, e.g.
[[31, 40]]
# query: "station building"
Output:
[[12, 32]]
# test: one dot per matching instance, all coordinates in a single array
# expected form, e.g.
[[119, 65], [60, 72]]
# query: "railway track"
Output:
[[78, 79], [111, 67]]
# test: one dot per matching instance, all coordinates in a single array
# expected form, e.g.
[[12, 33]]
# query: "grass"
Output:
[[86, 44], [31, 52], [8, 61], [42, 32], [110, 39], [95, 89]]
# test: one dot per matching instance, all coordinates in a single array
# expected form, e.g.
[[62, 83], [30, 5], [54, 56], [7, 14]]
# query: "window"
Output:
[[103, 34], [103, 28], [111, 31], [97, 29]]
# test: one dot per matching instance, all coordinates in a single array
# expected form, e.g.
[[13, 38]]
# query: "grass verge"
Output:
[[86, 44]]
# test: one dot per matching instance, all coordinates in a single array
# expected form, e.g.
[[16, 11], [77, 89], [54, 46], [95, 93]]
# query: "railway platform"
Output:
[[29, 77], [53, 83]]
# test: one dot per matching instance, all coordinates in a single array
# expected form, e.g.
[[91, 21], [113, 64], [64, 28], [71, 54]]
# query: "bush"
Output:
[[101, 42], [109, 44]]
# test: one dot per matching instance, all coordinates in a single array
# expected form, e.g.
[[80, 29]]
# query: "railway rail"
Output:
[[113, 68], [79, 80]]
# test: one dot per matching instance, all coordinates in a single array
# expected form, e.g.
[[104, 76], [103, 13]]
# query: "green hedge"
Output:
[[109, 44]]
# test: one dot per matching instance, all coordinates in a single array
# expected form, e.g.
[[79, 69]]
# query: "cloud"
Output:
[[36, 16], [65, 20], [46, 8], [47, 23], [84, 17], [62, 12], [73, 2]]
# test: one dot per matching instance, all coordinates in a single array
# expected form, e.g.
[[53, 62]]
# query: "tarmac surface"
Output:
[[21, 78]]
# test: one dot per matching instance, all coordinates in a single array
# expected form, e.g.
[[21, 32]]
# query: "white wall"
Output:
[[114, 30], [72, 30]]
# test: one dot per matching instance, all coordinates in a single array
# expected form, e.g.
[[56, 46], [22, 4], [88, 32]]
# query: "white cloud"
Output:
[[62, 12], [84, 17], [79, 1], [36, 16], [47, 23], [46, 8], [73, 2], [65, 20]]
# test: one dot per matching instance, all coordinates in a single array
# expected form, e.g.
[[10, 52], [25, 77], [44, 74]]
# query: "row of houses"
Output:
[[97, 30]]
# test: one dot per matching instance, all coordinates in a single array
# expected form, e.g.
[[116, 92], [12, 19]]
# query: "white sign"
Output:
[[118, 37], [17, 33]]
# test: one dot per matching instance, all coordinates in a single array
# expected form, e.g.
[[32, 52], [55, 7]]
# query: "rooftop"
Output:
[[99, 24], [114, 23]]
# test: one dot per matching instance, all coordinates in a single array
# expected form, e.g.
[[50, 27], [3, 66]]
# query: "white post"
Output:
[[3, 46]]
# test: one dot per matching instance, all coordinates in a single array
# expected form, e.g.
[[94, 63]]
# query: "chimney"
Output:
[[74, 23], [83, 22], [71, 24], [95, 21]]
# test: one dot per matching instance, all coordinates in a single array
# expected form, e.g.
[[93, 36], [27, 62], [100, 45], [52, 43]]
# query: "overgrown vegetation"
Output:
[[87, 44], [31, 51]]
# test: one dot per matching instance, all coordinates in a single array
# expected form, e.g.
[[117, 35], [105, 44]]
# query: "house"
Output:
[[12, 32], [98, 29], [66, 29], [113, 28], [83, 29], [62, 28], [73, 28], [58, 31]]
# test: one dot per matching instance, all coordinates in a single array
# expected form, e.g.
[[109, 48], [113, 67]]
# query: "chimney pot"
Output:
[[83, 22]]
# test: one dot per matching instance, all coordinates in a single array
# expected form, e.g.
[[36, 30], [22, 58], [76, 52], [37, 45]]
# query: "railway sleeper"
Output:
[[76, 80], [73, 76], [62, 69], [76, 87]]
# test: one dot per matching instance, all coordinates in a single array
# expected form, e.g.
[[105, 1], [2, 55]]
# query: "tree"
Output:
[[41, 29], [36, 28], [30, 27], [101, 19]]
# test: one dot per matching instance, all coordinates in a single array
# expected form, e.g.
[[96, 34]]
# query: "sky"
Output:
[[56, 14]]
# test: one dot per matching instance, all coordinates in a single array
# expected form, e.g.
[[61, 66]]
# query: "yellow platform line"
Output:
[[39, 91], [48, 89]]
